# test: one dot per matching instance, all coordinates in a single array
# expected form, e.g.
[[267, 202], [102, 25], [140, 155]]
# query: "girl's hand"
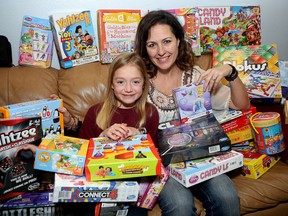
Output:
[[213, 76], [116, 132]]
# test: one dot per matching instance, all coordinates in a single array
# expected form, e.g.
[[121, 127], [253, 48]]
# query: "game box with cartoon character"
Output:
[[47, 109], [19, 137], [74, 37], [71, 188], [135, 156], [62, 154], [196, 138]]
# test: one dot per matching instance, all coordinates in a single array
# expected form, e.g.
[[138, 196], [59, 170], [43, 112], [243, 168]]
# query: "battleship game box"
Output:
[[198, 138], [18, 137]]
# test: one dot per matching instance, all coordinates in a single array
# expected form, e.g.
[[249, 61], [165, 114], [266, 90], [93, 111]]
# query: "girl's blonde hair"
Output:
[[103, 119]]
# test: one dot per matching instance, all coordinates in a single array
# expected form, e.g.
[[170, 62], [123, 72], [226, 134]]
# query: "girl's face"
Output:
[[128, 85], [162, 46]]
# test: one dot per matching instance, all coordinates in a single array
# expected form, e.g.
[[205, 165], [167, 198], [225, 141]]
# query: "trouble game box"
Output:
[[19, 137], [201, 137], [136, 156], [70, 188], [193, 172], [62, 154], [47, 109]]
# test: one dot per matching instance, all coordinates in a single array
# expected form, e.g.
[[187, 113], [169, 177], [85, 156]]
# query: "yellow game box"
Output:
[[62, 154], [135, 156], [241, 134]]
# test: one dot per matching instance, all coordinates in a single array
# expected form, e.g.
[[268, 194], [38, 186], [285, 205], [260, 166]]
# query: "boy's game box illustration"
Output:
[[117, 31], [257, 65], [36, 42], [193, 172], [62, 154], [70, 188], [200, 137], [18, 138], [228, 26], [47, 109], [75, 39], [135, 156]]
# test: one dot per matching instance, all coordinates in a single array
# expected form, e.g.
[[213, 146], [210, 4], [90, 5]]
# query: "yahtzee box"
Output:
[[19, 137], [135, 156], [193, 172], [70, 188], [74, 37], [62, 154], [47, 109], [196, 138]]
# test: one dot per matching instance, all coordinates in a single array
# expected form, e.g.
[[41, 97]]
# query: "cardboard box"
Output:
[[241, 134], [17, 175], [111, 209], [286, 111], [256, 164], [240, 121], [62, 154], [135, 156], [202, 137], [150, 189], [193, 172], [52, 119], [70, 188]]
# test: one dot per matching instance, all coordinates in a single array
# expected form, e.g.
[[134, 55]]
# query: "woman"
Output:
[[170, 63]]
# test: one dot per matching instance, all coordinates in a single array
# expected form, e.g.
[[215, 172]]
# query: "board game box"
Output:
[[62, 154], [36, 42], [193, 172], [19, 137], [198, 138], [71, 188], [117, 31], [47, 109], [189, 19], [258, 68], [75, 38], [135, 156], [228, 26], [192, 101]]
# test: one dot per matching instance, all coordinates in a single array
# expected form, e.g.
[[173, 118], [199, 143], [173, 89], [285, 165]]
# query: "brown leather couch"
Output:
[[82, 86]]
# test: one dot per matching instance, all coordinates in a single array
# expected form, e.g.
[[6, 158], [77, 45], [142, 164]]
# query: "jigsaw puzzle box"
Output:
[[47, 109], [201, 137], [62, 154], [193, 172], [18, 137], [71, 188]]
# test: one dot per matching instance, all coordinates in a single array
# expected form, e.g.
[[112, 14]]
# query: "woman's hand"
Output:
[[213, 76]]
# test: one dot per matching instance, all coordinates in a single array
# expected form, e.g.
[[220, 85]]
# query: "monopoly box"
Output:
[[256, 164], [71, 188], [135, 156], [200, 137], [52, 119], [150, 188], [19, 137], [62, 154], [193, 172]]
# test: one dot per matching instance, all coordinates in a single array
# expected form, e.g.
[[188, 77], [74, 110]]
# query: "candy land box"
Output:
[[52, 119], [150, 188], [197, 138], [136, 156], [74, 37], [71, 188], [193, 172], [62, 154], [19, 137]]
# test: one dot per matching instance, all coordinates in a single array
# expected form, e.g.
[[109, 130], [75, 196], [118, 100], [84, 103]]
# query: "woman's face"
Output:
[[162, 46]]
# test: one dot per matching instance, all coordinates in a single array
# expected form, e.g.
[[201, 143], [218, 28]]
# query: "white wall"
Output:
[[274, 16]]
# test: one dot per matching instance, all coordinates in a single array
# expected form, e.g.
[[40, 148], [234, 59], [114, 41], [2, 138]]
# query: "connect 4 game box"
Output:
[[258, 68], [19, 137], [47, 109], [75, 39]]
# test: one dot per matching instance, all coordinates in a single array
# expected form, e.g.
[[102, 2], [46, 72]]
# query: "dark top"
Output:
[[89, 128]]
